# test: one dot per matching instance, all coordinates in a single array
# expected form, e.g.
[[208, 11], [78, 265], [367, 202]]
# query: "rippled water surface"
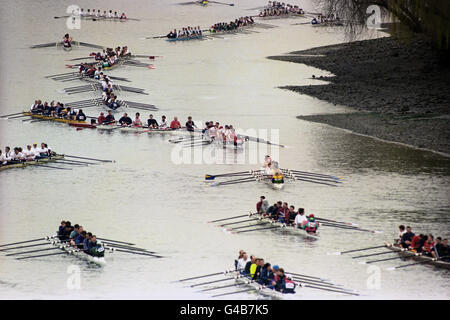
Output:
[[145, 198]]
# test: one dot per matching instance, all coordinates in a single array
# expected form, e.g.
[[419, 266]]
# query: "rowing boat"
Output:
[[196, 37], [281, 16], [257, 217], [42, 117], [259, 288], [76, 252], [276, 185], [415, 256], [30, 163]]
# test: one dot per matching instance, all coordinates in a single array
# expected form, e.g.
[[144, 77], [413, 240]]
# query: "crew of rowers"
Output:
[[188, 32], [272, 277], [325, 19], [57, 110], [97, 14], [80, 239], [233, 25], [285, 213], [424, 244], [216, 132], [278, 9], [19, 155]]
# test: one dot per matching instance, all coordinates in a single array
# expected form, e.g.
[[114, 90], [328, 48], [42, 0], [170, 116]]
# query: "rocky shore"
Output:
[[400, 90]]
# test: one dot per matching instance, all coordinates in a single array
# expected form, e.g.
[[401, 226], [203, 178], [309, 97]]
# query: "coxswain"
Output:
[[267, 160], [67, 40], [289, 285], [190, 125], [123, 17], [442, 250], [109, 119], [401, 232], [137, 121], [125, 120], [175, 124], [95, 248], [310, 225], [152, 123], [113, 104], [280, 281], [242, 261], [81, 116]]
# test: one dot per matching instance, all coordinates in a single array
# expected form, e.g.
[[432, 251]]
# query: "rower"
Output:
[[101, 118], [125, 120], [152, 123], [16, 155], [175, 124], [35, 149], [109, 119], [86, 242], [81, 116], [407, 237], [79, 240], [163, 124], [75, 233], [249, 264], [242, 262], [300, 218], [283, 215], [61, 226], [262, 205], [266, 275], [113, 104], [64, 235], [67, 40], [310, 225], [95, 248], [137, 121], [123, 16], [280, 282], [190, 125], [29, 154], [401, 232]]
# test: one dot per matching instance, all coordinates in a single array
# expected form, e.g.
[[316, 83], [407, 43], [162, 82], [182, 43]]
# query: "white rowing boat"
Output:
[[257, 217], [259, 288], [76, 252]]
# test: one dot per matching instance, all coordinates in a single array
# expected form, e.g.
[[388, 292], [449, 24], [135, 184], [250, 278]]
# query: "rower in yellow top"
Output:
[[277, 174]]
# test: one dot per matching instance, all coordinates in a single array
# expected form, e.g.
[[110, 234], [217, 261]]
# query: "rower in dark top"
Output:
[[152, 123], [67, 40], [407, 237], [109, 119], [81, 116], [249, 264], [125, 120], [113, 104], [190, 125], [64, 235]]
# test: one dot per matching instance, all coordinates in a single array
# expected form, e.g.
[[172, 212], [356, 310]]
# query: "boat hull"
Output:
[[260, 289], [30, 163], [412, 255]]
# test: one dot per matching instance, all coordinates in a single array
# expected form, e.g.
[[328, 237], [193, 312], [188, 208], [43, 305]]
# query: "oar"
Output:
[[262, 141], [329, 220], [350, 228], [85, 158], [243, 227], [314, 178], [416, 263], [27, 246], [230, 182], [387, 259], [31, 251], [228, 224], [313, 181], [42, 255], [227, 4], [109, 244], [227, 286], [234, 292], [208, 282], [16, 117], [244, 215], [306, 276], [319, 283], [356, 250], [265, 228], [20, 242], [212, 177], [311, 173], [314, 281], [61, 17], [139, 253], [117, 241], [373, 254], [203, 276], [332, 290], [12, 114], [52, 167]]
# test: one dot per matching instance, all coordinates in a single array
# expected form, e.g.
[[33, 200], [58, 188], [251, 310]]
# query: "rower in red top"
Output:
[[310, 225], [175, 124], [101, 118]]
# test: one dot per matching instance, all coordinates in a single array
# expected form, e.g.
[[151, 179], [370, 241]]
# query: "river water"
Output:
[[149, 198]]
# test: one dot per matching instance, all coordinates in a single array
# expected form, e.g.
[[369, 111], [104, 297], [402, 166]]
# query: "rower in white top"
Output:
[[300, 218]]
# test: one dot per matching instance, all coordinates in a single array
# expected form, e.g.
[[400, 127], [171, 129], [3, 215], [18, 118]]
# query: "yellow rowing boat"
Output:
[[42, 117], [30, 163]]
